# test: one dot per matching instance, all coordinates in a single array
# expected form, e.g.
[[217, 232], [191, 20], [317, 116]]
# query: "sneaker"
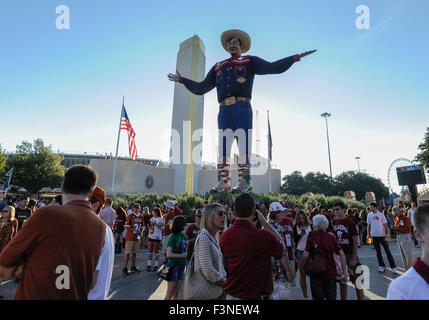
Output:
[[134, 269], [125, 271], [243, 187], [148, 268], [381, 269], [394, 271], [221, 186]]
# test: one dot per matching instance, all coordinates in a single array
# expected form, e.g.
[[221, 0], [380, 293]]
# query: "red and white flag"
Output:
[[126, 125]]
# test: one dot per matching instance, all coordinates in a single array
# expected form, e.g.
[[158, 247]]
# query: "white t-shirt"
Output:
[[409, 286], [108, 215], [303, 240], [104, 268], [155, 232], [410, 215], [377, 222]]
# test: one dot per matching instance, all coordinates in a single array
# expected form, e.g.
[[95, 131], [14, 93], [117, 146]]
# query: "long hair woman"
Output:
[[207, 252], [301, 230], [154, 239], [176, 255]]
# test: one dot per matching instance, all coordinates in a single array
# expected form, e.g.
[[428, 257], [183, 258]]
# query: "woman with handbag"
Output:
[[176, 255], [207, 277], [321, 266]]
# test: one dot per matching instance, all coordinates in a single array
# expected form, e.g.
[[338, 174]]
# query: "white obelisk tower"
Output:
[[188, 111]]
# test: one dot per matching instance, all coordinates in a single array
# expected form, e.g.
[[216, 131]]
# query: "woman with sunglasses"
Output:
[[8, 228], [208, 256]]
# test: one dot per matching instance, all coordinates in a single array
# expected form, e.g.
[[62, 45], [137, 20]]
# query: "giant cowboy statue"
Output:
[[233, 79]]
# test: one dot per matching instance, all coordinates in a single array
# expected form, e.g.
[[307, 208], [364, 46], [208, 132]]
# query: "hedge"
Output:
[[190, 202]]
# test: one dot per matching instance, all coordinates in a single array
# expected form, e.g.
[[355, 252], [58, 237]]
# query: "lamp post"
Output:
[[358, 158], [326, 115]]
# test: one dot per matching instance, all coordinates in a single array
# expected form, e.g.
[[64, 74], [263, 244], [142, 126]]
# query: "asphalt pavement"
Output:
[[148, 286]]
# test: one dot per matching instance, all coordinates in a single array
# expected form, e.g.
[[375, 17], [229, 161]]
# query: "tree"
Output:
[[317, 182], [423, 157], [294, 183], [35, 166], [3, 158], [361, 183]]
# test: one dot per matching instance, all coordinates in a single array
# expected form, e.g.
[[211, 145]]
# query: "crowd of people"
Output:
[[239, 251]]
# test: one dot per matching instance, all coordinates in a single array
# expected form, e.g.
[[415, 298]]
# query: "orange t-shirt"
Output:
[[168, 219], [54, 239], [133, 221], [402, 224]]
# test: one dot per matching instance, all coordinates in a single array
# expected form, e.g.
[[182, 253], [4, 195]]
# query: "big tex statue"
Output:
[[233, 79]]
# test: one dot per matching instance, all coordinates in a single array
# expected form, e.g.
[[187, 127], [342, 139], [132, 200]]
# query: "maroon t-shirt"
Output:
[[191, 233], [325, 244], [345, 230], [248, 251]]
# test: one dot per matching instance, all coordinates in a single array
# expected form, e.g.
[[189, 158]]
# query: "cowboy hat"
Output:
[[239, 34]]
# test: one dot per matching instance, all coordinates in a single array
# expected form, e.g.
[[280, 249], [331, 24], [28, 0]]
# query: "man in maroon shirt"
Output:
[[248, 251], [346, 234], [191, 234]]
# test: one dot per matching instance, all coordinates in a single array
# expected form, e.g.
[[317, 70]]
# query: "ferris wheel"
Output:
[[392, 178]]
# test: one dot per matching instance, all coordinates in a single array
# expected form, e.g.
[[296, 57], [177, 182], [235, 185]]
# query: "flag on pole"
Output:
[[8, 178], [126, 125], [270, 141]]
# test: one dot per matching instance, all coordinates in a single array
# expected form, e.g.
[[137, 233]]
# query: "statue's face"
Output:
[[233, 47]]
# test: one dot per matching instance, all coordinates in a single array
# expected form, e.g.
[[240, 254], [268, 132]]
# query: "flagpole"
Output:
[[269, 160], [117, 147]]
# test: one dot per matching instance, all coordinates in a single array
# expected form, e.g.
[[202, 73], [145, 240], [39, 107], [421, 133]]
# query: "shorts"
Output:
[[178, 273], [131, 247], [352, 270], [299, 254], [154, 240]]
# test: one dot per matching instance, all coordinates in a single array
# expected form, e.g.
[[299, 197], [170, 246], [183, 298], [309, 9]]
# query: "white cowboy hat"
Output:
[[239, 34]]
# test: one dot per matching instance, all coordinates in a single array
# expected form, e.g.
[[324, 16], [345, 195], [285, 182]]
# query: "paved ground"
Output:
[[148, 286]]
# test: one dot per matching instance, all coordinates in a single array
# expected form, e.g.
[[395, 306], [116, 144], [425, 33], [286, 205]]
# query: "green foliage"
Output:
[[3, 159], [319, 183], [423, 156], [35, 166]]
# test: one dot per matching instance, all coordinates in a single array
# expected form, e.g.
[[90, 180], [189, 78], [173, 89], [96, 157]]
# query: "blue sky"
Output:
[[66, 86]]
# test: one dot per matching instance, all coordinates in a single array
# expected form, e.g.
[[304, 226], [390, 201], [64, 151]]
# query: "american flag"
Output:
[[270, 141], [126, 125]]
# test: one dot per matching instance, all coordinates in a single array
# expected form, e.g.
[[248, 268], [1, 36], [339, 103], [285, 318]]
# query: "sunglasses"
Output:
[[220, 213]]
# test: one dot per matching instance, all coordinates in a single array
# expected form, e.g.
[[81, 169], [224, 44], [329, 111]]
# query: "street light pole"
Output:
[[326, 115], [358, 158]]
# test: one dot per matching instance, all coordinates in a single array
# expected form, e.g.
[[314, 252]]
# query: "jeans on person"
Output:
[[323, 287], [382, 240], [404, 244]]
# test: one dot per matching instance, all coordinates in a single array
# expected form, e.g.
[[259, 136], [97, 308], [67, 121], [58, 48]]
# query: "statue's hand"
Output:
[[302, 55], [174, 77]]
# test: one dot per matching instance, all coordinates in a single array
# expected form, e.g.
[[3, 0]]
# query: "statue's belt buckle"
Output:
[[229, 101]]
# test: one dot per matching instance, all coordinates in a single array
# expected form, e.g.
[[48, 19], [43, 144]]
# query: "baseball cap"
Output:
[[98, 194], [199, 213], [169, 204], [276, 206]]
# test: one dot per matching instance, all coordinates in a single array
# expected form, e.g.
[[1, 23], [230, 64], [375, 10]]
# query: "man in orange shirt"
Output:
[[133, 225], [57, 249], [403, 230]]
